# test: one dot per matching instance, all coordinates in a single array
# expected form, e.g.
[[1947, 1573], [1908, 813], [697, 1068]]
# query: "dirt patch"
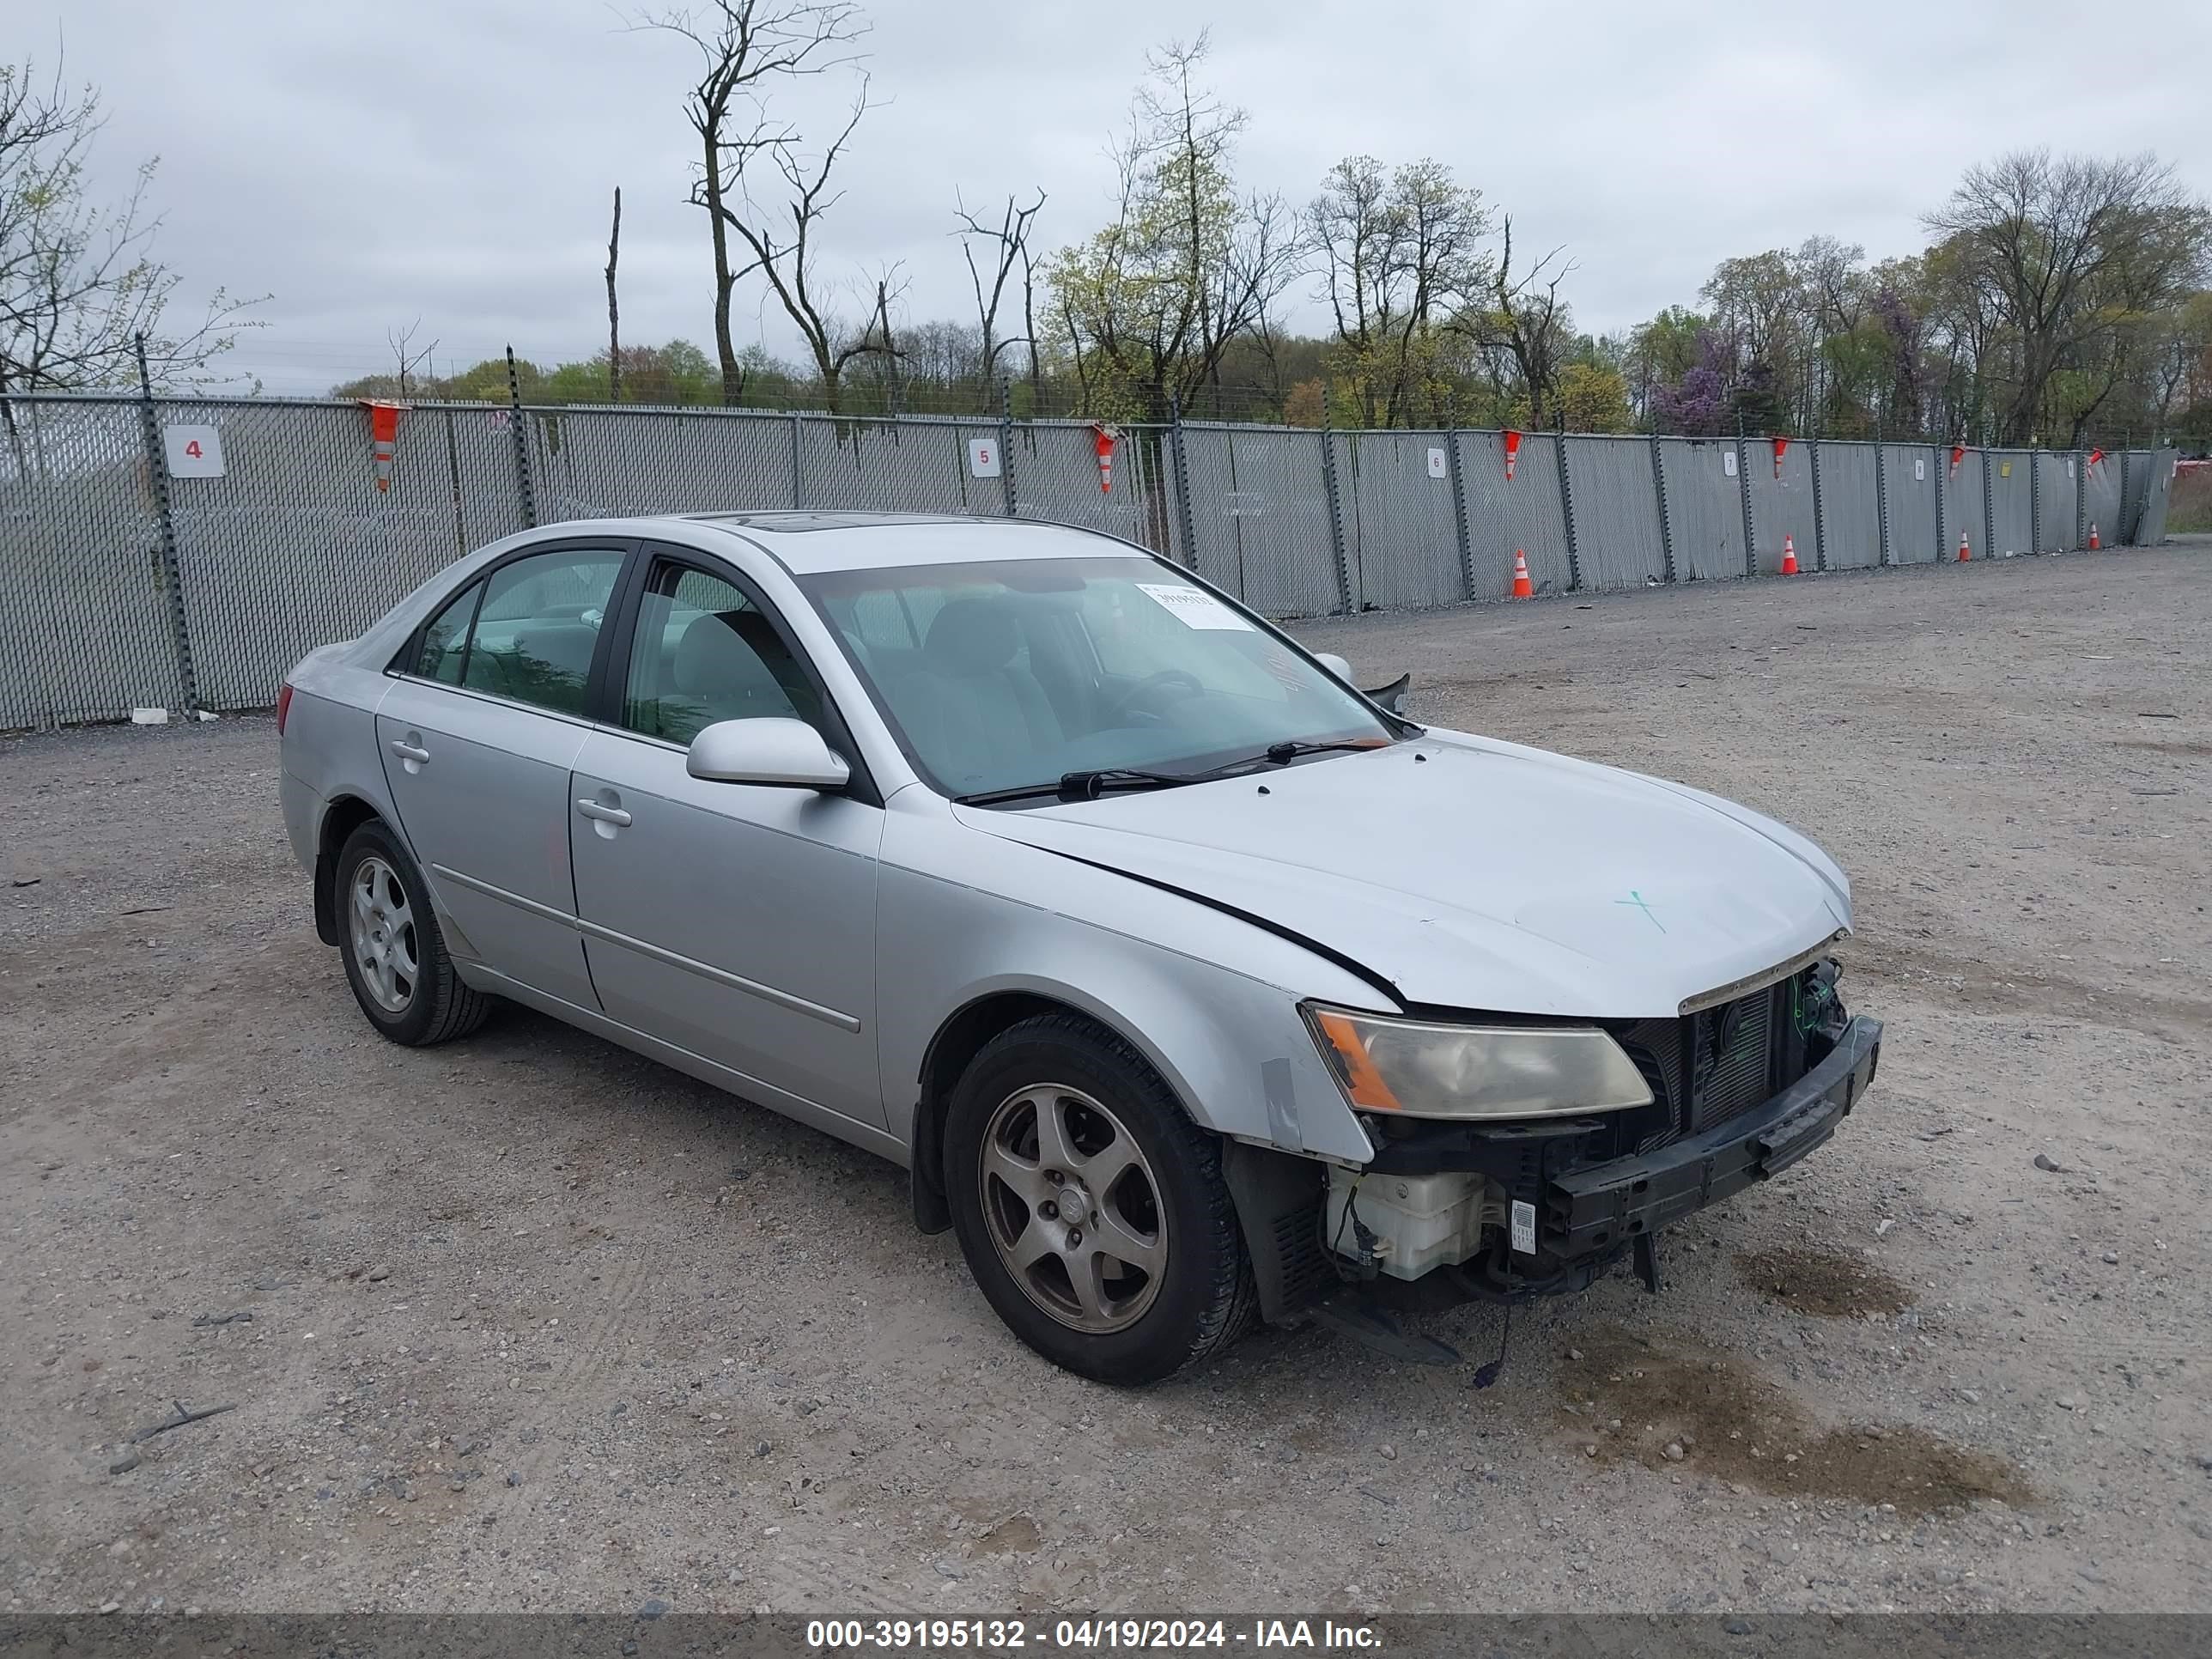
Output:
[[1823, 1282], [1015, 1536], [1675, 1404]]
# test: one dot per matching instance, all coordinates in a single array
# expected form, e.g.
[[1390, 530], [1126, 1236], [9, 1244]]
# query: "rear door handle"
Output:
[[410, 752], [614, 815]]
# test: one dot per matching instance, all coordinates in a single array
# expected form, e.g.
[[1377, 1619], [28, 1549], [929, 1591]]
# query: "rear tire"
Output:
[[395, 958], [1091, 1208]]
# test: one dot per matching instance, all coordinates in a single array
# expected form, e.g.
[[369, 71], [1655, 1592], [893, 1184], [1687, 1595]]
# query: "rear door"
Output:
[[735, 920], [478, 735]]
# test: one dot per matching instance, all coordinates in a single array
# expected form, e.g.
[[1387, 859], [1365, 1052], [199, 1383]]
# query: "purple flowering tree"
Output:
[[1697, 404], [1893, 314]]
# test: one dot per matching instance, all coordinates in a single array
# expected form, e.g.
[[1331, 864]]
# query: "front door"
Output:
[[478, 742], [735, 920]]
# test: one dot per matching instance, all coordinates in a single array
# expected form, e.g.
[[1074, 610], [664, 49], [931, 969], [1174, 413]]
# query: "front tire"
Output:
[[1091, 1208], [395, 958]]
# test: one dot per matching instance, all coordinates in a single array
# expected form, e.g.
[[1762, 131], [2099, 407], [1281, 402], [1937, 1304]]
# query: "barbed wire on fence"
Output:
[[147, 574]]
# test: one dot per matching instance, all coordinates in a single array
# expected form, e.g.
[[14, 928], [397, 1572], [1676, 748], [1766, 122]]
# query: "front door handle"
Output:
[[614, 815], [409, 751]]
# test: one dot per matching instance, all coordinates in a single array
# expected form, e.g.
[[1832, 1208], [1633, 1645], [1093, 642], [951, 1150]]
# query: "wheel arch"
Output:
[[1276, 1193], [960, 1037], [342, 815]]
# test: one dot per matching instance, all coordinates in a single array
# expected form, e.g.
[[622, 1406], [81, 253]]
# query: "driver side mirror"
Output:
[[1391, 696], [783, 752]]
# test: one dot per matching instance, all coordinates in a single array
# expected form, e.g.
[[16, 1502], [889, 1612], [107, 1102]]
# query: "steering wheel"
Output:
[[1130, 703]]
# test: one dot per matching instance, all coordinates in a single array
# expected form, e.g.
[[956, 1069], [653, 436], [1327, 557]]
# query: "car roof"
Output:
[[808, 543]]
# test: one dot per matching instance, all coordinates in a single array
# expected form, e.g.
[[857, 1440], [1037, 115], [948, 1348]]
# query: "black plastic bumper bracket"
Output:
[[1605, 1205]]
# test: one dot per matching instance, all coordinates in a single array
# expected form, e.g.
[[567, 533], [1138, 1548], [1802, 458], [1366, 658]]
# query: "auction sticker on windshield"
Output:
[[1194, 607]]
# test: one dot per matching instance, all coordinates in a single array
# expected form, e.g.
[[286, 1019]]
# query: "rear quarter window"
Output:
[[446, 638]]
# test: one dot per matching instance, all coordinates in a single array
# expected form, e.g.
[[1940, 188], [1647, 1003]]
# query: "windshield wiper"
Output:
[[1089, 786], [1282, 754], [1084, 786]]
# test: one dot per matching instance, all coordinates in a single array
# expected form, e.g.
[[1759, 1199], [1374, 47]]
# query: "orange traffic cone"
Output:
[[1789, 555], [1522, 588], [1965, 552], [2093, 543]]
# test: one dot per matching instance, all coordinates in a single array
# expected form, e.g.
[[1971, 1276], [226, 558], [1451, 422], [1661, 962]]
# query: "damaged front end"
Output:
[[1502, 1210]]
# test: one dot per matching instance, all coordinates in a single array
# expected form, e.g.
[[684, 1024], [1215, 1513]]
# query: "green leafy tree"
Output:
[[1593, 398], [1661, 352], [1400, 260], [1146, 309], [2061, 262], [1525, 332]]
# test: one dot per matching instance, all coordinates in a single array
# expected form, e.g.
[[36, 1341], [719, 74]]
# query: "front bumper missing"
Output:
[[1600, 1207], [1590, 1213]]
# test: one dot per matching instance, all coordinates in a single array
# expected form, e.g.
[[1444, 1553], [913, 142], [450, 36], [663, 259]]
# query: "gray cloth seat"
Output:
[[718, 675], [976, 714]]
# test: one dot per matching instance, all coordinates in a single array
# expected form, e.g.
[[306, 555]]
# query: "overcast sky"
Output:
[[369, 161]]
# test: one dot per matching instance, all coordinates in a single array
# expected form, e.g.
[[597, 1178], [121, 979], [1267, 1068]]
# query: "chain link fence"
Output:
[[1704, 504], [1260, 522], [182, 553], [1912, 483], [1848, 503], [1616, 498]]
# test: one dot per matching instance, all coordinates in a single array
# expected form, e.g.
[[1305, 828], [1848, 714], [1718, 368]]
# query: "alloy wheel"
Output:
[[1072, 1208], [382, 925]]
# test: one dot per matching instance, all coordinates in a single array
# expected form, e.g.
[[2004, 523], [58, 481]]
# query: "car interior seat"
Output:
[[718, 675], [982, 710]]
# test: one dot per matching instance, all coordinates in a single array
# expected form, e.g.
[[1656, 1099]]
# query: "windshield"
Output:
[[998, 675]]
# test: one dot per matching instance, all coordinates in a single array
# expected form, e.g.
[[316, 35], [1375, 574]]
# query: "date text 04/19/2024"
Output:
[[1084, 1635]]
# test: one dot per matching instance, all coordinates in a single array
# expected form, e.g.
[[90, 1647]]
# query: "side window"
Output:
[[704, 652], [539, 624], [446, 638]]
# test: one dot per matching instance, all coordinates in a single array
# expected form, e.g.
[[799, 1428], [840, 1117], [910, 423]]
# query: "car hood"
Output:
[[1474, 874]]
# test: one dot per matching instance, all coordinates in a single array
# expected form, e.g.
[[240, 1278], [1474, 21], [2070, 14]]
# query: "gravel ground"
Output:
[[528, 1322]]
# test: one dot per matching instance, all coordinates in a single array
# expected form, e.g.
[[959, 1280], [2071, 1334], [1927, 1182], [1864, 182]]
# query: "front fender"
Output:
[[1211, 1001]]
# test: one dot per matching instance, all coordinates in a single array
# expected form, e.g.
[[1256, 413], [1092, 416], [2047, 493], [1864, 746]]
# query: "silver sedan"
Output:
[[1189, 982]]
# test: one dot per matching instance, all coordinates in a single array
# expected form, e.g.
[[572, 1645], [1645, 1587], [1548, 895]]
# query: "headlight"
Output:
[[1475, 1071]]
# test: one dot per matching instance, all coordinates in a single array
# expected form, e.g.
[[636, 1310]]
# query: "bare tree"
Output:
[[1009, 244], [786, 256], [406, 359], [614, 316], [1399, 255], [744, 47], [1353, 230], [1151, 304], [890, 286], [78, 279], [1237, 257], [1028, 320], [2064, 249], [1529, 320]]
